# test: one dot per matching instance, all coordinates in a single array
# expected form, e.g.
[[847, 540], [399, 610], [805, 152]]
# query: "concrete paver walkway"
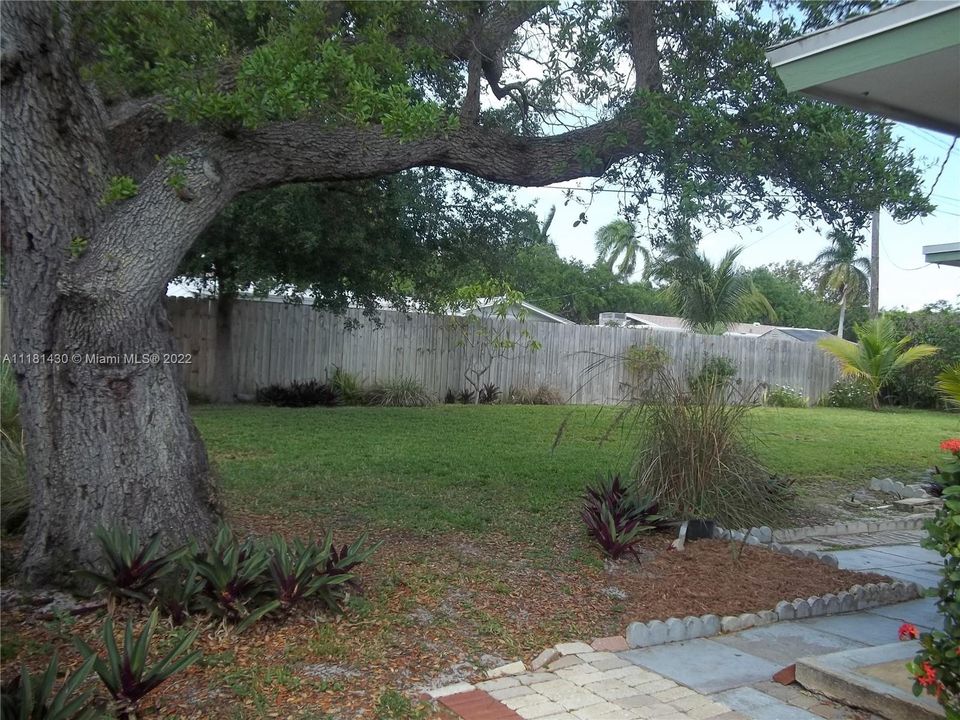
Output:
[[727, 677]]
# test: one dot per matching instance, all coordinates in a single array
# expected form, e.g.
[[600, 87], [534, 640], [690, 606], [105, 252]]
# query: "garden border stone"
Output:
[[858, 527], [661, 632]]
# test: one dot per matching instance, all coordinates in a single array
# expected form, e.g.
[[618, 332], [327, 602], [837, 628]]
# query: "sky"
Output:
[[905, 280]]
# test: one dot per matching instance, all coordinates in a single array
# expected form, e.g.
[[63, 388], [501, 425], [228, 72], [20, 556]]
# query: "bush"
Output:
[[299, 394], [936, 668], [644, 364], [450, 398], [401, 392], [695, 458], [542, 395], [465, 397], [937, 325], [489, 394], [716, 375], [348, 387], [780, 396], [847, 393], [616, 515]]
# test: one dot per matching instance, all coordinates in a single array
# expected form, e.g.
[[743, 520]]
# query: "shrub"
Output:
[[716, 375], [616, 515], [780, 396], [348, 387], [132, 567], [644, 363], [695, 458], [126, 674], [400, 392], [450, 398], [489, 394], [847, 393], [299, 394], [465, 397], [541, 395], [936, 668], [26, 697], [15, 500], [939, 325]]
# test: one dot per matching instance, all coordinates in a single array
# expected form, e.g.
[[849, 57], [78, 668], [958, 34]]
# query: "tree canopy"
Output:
[[129, 127], [408, 240]]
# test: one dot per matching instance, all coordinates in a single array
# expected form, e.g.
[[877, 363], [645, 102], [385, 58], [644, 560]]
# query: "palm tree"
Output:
[[543, 232], [877, 355], [843, 272], [618, 240], [948, 383], [708, 297]]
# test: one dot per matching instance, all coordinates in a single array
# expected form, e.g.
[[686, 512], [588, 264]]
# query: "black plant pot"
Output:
[[700, 529]]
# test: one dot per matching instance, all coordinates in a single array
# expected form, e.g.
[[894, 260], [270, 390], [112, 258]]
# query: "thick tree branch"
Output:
[[641, 19], [307, 151], [499, 27]]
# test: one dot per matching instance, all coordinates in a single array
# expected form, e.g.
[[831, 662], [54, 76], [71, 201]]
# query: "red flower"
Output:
[[908, 632], [929, 676], [952, 445]]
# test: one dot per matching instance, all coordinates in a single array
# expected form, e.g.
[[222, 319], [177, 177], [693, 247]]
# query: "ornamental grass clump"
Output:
[[695, 458]]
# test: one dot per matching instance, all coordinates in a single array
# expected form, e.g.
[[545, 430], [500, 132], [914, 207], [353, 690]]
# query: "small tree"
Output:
[[486, 330], [877, 356]]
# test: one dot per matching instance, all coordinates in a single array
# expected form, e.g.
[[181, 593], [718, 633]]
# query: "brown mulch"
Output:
[[429, 610]]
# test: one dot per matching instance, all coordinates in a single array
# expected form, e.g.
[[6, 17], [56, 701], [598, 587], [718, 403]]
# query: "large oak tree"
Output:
[[129, 126]]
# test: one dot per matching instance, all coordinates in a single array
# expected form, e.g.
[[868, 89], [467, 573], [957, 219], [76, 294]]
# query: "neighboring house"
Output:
[[668, 322], [533, 314]]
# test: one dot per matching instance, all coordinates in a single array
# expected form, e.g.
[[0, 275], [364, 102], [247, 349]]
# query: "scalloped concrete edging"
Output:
[[858, 597], [787, 535]]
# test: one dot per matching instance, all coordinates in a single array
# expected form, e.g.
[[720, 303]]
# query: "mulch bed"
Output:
[[430, 610]]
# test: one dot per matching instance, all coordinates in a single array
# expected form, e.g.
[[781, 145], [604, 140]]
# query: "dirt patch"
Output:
[[430, 610]]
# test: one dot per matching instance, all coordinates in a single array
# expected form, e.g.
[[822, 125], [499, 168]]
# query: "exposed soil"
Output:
[[432, 610]]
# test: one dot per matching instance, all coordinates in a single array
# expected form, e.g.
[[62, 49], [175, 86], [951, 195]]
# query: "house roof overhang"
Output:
[[901, 62], [945, 254]]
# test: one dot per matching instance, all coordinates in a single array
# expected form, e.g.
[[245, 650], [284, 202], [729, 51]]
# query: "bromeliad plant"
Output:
[[936, 669], [616, 515], [126, 674], [345, 558], [29, 698], [298, 572], [233, 576], [177, 596], [132, 567]]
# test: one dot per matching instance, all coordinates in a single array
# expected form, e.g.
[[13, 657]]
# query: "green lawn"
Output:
[[494, 468]]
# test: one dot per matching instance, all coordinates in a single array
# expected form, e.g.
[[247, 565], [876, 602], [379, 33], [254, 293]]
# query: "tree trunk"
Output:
[[108, 441], [843, 313], [875, 264]]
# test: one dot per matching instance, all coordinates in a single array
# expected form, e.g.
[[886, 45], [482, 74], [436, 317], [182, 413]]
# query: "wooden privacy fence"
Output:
[[279, 343]]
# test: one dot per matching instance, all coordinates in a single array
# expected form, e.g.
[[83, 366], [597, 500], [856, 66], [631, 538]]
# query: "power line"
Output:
[[887, 253], [943, 165]]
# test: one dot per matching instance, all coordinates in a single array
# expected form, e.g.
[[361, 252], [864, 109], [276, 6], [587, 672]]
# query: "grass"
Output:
[[480, 469]]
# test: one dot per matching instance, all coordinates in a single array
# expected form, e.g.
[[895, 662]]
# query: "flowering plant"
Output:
[[936, 668], [949, 471]]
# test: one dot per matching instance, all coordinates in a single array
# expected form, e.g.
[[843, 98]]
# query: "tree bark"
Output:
[[108, 442]]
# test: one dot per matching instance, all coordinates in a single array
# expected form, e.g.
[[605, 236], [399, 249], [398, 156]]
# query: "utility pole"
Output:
[[875, 264]]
